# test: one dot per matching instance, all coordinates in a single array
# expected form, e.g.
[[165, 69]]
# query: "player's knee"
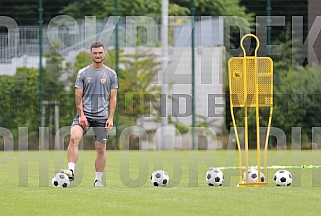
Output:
[[74, 140], [101, 149]]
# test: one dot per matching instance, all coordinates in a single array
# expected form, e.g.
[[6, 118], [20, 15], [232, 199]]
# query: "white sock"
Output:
[[99, 175], [71, 166]]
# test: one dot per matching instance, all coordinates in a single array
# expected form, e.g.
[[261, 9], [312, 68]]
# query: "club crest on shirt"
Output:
[[103, 80]]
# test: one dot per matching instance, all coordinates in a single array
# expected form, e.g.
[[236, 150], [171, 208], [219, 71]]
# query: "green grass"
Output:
[[128, 190]]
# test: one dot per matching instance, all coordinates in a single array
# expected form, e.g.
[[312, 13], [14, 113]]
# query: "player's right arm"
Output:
[[80, 108]]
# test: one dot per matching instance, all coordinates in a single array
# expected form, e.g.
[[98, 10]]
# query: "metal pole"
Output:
[[193, 72], [41, 112], [117, 70], [57, 135], [269, 28], [164, 86], [40, 23]]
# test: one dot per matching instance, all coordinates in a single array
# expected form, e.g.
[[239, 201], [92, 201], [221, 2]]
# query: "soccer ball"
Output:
[[282, 178], [60, 180], [159, 178], [253, 176], [214, 177]]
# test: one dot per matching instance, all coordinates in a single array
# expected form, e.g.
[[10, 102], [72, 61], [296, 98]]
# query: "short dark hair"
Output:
[[96, 45]]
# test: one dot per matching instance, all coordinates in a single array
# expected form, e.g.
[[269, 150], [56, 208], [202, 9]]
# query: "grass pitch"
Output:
[[25, 185]]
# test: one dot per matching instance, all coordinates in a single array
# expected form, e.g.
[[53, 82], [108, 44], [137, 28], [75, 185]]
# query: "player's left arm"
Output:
[[112, 108]]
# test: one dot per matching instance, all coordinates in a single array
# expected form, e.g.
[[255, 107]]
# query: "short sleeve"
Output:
[[79, 81], [114, 81]]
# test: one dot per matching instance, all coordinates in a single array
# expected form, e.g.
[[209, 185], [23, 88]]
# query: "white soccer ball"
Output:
[[159, 178], [253, 176], [214, 177], [282, 178], [60, 180]]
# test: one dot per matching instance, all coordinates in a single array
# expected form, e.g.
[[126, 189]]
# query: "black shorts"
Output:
[[98, 125]]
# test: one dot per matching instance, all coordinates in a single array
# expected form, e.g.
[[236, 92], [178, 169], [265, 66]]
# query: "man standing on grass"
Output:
[[95, 97]]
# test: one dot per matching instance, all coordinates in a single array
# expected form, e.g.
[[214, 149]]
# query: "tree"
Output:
[[25, 12], [139, 71], [102, 9], [297, 101], [217, 8], [286, 8], [56, 86], [54, 72], [25, 102], [7, 111]]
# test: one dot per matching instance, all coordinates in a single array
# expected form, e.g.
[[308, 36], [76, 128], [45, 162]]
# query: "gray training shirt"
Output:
[[96, 85]]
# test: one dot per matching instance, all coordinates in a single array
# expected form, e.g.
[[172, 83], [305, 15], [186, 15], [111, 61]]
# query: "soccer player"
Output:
[[95, 98]]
